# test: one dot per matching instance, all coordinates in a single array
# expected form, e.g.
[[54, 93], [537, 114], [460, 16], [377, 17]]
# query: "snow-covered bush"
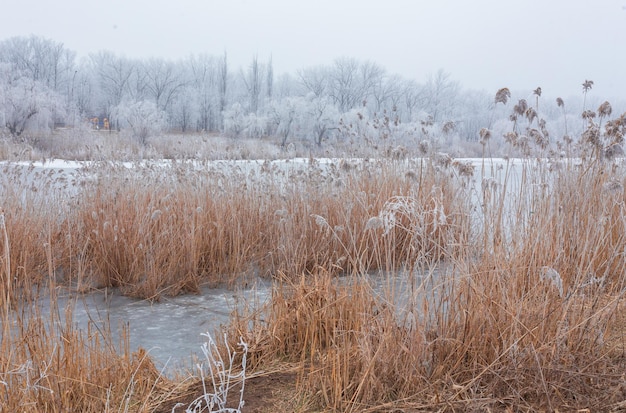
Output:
[[234, 120], [143, 118], [25, 102]]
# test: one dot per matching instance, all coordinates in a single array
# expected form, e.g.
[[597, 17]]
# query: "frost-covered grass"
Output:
[[527, 317], [512, 297], [217, 386], [155, 229], [85, 144]]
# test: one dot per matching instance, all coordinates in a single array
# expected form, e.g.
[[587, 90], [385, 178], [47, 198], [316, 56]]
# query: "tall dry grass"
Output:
[[153, 230], [397, 284], [46, 364], [165, 229], [528, 318]]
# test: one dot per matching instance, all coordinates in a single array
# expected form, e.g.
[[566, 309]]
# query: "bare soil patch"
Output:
[[263, 393]]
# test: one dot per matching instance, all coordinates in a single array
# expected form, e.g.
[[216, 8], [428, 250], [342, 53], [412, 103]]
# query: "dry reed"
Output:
[[527, 319], [397, 284]]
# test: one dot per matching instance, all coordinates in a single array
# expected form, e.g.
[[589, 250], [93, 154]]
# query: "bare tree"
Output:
[[284, 115], [139, 83], [42, 60], [144, 118], [474, 113], [441, 94], [269, 79], [351, 82], [252, 81], [223, 86], [315, 80], [324, 117], [164, 80], [414, 97], [286, 85], [205, 80], [343, 87], [387, 92], [113, 74], [23, 100], [83, 90], [185, 109], [234, 120]]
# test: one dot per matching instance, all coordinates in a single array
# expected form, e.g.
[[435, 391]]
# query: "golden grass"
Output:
[[154, 230], [527, 319], [49, 365], [396, 284], [165, 230]]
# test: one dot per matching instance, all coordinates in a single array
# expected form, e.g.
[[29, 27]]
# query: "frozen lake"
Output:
[[170, 330]]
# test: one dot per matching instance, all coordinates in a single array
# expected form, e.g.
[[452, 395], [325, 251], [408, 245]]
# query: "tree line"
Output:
[[43, 84]]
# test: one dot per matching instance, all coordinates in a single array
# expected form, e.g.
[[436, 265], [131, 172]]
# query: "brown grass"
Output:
[[154, 230], [158, 230], [396, 284], [526, 320], [49, 365]]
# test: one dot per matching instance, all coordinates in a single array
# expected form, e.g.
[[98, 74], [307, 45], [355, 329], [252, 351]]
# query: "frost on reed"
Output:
[[528, 317], [399, 206], [417, 228], [149, 231], [524, 312], [47, 364], [553, 278], [221, 378]]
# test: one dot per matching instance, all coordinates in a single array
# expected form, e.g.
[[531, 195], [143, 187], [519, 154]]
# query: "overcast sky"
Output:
[[484, 44]]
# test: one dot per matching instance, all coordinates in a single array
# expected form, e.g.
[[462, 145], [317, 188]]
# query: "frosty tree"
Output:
[[23, 101], [164, 81], [143, 118]]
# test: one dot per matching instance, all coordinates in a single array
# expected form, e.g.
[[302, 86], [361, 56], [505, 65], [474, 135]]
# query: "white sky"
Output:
[[485, 44]]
